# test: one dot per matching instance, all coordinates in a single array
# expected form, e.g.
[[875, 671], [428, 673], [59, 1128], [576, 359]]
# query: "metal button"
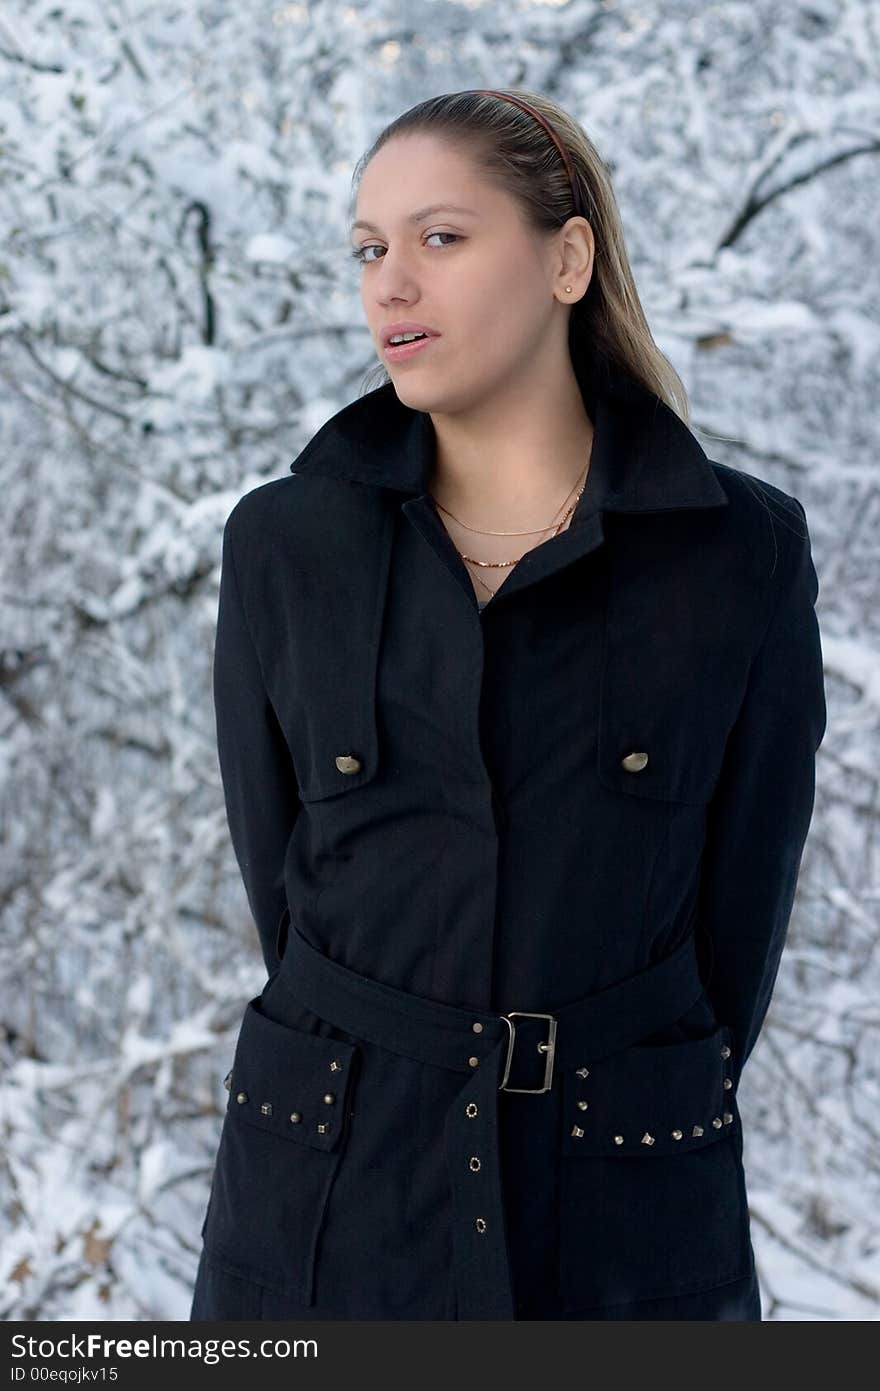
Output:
[[725, 1051], [477, 1028], [241, 1098], [634, 762], [582, 1105], [474, 1163], [618, 1139], [480, 1224], [295, 1117], [676, 1134], [471, 1108], [347, 763], [727, 1117], [717, 1122], [329, 1098], [227, 1081], [728, 1083], [473, 1062]]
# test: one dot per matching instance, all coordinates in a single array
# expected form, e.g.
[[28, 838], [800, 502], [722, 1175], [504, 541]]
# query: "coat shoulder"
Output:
[[768, 522]]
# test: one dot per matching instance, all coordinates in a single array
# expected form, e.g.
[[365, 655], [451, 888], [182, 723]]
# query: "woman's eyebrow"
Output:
[[419, 215]]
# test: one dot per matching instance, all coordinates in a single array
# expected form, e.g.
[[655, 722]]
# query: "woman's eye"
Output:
[[360, 252]]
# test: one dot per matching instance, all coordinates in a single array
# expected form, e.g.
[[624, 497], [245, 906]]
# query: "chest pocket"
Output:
[[284, 1136], [652, 1196], [675, 659]]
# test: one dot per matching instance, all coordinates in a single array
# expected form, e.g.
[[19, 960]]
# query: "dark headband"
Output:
[[566, 158]]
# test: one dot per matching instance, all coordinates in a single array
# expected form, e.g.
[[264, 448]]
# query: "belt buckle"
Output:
[[549, 1048]]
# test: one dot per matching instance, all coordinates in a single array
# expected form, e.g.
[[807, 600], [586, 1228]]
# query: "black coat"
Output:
[[601, 782]]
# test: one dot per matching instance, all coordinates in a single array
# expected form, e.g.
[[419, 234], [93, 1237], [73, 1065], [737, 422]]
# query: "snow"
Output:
[[178, 316]]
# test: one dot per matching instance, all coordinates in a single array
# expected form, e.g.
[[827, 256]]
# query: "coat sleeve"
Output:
[[259, 784], [762, 807]]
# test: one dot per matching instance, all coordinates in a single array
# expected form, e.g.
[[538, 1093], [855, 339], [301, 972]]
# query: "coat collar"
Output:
[[644, 459]]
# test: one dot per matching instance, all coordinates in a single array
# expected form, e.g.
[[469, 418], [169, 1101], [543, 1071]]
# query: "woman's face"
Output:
[[478, 278]]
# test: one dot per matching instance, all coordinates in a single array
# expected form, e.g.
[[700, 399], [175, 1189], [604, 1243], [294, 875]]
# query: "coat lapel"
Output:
[[374, 457]]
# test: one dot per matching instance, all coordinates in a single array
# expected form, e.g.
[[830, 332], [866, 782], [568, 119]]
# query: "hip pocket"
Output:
[[283, 1137], [652, 1196]]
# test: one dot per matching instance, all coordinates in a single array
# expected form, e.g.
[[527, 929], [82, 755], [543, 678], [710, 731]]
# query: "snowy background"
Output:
[[178, 315]]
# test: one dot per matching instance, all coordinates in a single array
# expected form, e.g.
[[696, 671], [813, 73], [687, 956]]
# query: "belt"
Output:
[[484, 1046]]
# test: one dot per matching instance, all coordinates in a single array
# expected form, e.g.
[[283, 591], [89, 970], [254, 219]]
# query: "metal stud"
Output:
[[323, 1127], [480, 1224], [676, 1134], [335, 1066], [474, 1163], [697, 1130], [477, 1028], [717, 1122], [728, 1083], [582, 1105], [266, 1108], [473, 1062], [295, 1117], [618, 1139], [582, 1072], [329, 1097], [241, 1098], [227, 1081], [727, 1117], [471, 1109], [576, 1130], [647, 1138], [725, 1051]]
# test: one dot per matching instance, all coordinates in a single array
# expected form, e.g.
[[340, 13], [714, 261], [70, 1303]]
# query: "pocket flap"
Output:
[[290, 1083], [651, 1099]]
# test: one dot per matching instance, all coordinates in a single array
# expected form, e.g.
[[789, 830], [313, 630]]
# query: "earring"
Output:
[[568, 289]]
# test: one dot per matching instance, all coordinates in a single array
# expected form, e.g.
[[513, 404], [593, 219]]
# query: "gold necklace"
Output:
[[506, 564]]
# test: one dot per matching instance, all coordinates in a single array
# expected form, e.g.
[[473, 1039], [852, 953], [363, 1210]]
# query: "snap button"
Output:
[[473, 1062], [477, 1028], [634, 762], [241, 1098], [676, 1134], [347, 763], [728, 1083]]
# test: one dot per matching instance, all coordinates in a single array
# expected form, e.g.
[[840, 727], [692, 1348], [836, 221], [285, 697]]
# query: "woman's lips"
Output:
[[401, 351]]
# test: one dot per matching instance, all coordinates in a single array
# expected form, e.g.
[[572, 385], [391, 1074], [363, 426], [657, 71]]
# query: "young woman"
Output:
[[518, 699]]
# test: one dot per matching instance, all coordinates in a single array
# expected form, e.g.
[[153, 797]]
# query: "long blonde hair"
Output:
[[607, 326]]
